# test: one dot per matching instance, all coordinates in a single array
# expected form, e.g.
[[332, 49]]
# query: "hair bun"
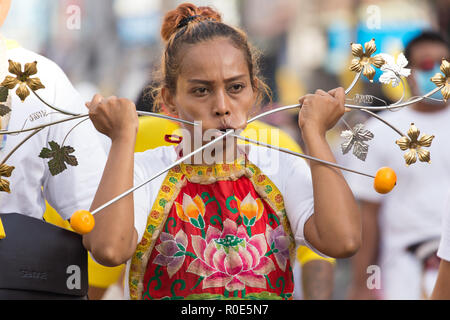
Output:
[[173, 18]]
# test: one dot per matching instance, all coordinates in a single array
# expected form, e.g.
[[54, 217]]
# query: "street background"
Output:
[[110, 46]]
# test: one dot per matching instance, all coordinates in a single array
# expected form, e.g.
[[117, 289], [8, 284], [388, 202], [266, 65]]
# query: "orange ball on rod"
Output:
[[385, 180], [82, 222]]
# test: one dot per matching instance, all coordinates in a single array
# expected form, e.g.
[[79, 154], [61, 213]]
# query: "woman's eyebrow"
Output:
[[200, 81], [209, 82], [236, 78]]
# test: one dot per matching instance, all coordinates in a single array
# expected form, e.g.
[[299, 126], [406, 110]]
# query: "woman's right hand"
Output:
[[114, 117]]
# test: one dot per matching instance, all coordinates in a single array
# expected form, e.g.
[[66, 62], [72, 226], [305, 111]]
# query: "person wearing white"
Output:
[[31, 182], [444, 245], [410, 216], [441, 290]]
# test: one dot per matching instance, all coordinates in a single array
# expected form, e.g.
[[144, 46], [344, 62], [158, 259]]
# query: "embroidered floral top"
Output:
[[215, 232]]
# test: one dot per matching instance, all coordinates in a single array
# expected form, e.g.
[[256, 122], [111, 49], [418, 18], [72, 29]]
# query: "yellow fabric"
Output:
[[11, 44], [2, 231], [98, 275], [304, 255]]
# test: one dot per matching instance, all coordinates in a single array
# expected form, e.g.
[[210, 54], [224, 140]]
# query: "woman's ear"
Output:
[[169, 101], [255, 87]]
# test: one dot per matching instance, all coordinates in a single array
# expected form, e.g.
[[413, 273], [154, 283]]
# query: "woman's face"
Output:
[[213, 86]]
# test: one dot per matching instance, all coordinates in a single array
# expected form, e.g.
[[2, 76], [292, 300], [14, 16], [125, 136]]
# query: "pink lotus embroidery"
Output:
[[279, 245], [172, 251], [230, 258]]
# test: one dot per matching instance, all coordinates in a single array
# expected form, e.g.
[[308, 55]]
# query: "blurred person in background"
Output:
[[441, 289], [26, 184], [31, 182], [401, 230], [269, 34]]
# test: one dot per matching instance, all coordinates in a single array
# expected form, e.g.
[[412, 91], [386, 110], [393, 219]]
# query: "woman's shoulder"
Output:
[[155, 159]]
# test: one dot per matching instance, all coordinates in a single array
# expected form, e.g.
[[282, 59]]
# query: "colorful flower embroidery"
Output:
[[171, 251], [192, 210], [250, 209], [279, 245], [230, 258]]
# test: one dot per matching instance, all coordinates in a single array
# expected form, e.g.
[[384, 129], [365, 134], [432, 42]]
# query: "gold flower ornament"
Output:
[[5, 171], [22, 78], [440, 79], [415, 146], [363, 59]]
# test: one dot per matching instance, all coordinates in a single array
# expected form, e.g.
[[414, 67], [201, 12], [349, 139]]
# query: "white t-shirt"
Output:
[[412, 211], [290, 174], [31, 182], [444, 246]]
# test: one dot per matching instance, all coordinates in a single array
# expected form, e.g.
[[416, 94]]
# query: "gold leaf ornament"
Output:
[[22, 79], [440, 79], [363, 59], [5, 171], [415, 146]]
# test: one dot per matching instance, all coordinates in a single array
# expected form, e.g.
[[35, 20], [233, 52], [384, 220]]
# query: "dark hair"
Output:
[[188, 24], [425, 36]]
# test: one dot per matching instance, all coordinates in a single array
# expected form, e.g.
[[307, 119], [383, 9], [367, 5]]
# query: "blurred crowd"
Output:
[[112, 46]]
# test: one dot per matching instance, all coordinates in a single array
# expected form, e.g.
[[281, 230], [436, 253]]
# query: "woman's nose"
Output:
[[222, 106]]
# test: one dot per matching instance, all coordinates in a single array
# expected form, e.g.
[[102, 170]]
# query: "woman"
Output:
[[221, 230]]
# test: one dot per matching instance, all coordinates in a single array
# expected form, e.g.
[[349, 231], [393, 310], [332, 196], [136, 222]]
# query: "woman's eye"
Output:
[[236, 88], [200, 91]]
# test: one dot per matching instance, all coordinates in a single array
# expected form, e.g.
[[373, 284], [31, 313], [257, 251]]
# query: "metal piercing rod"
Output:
[[53, 107], [355, 80], [351, 106], [384, 121], [301, 155], [142, 113], [230, 132], [399, 105], [294, 106], [18, 145], [163, 116], [43, 125]]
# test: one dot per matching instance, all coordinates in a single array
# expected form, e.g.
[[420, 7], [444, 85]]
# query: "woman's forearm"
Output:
[[113, 239], [335, 227]]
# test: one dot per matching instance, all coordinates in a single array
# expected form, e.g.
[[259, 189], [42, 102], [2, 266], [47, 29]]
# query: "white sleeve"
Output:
[[298, 196], [141, 196], [74, 188], [444, 246]]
